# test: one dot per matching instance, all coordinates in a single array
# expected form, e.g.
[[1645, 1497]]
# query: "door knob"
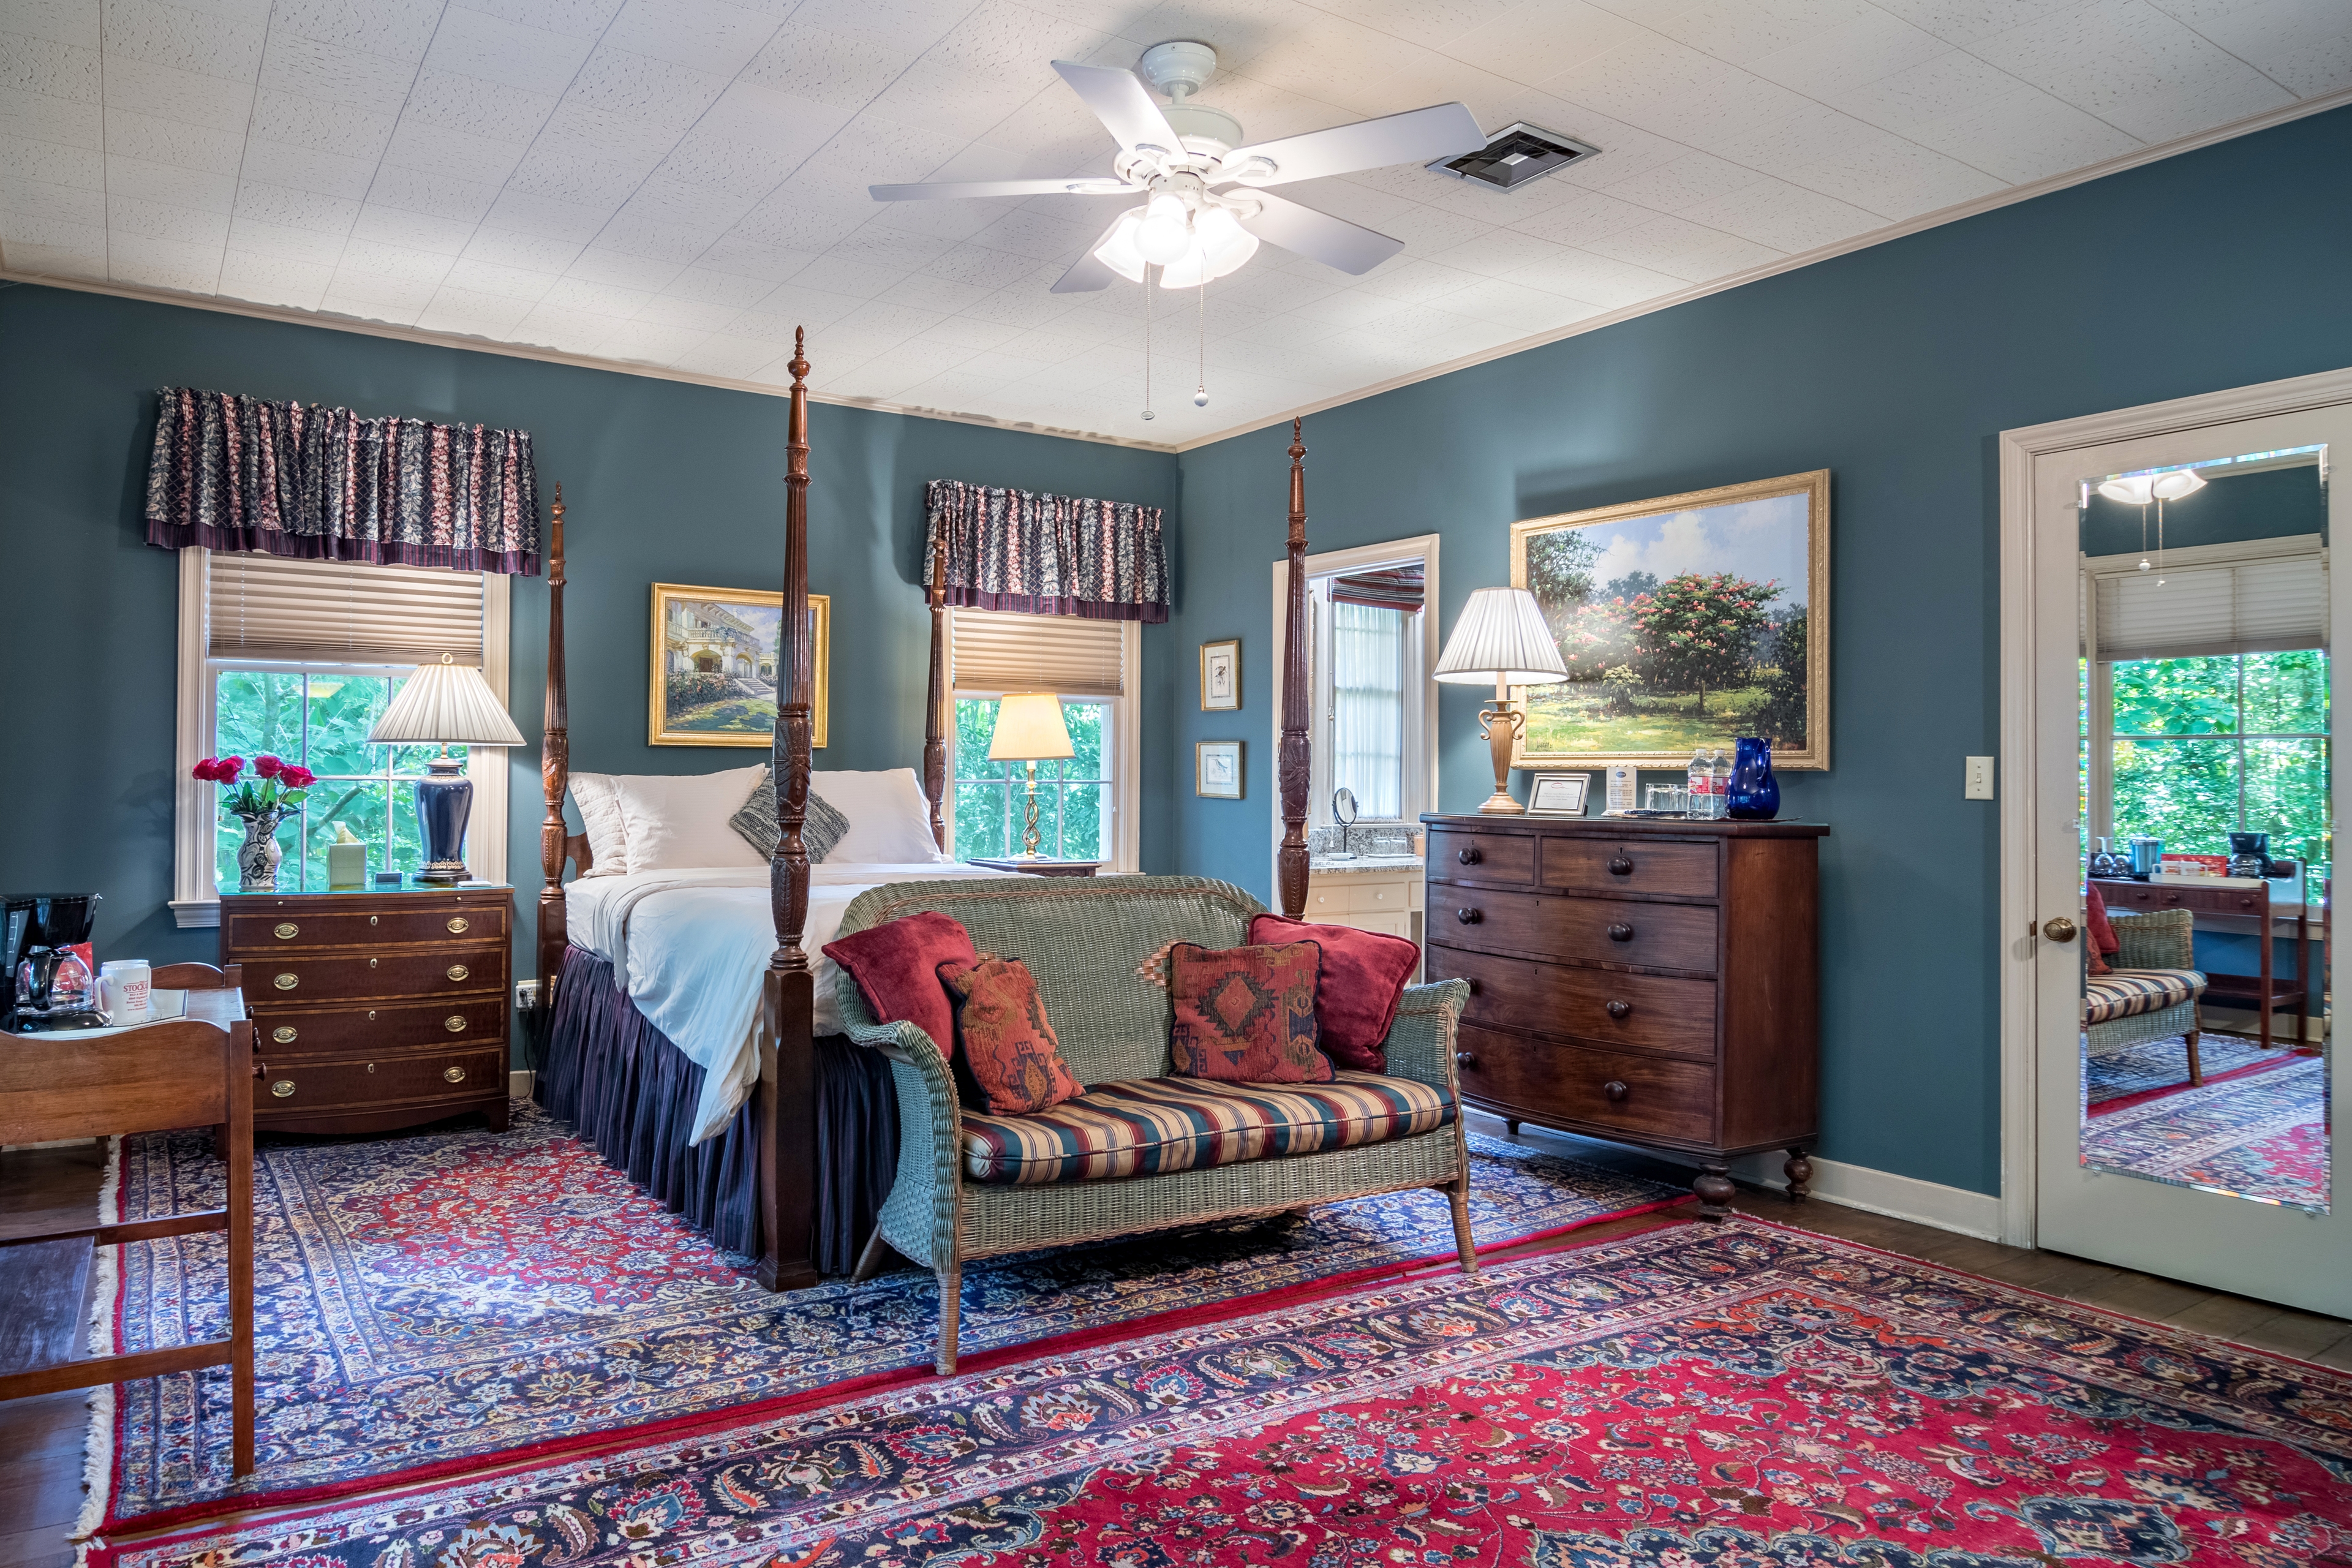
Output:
[[2058, 928], [1620, 1009], [1614, 1089], [1621, 933]]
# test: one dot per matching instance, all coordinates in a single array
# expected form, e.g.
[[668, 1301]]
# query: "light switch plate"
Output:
[[1976, 783]]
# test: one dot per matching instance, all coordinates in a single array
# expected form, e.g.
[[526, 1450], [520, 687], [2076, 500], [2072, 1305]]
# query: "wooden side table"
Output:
[[2264, 992], [1042, 867]]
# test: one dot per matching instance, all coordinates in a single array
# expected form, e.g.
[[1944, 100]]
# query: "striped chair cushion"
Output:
[[2128, 993], [1159, 1124]]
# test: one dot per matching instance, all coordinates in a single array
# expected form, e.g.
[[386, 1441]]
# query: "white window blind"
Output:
[[2270, 605], [270, 608], [999, 651]]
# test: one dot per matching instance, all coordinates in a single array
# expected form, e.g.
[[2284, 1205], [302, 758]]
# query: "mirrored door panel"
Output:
[[2206, 847]]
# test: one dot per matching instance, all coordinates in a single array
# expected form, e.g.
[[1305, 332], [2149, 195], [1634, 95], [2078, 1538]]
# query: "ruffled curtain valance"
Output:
[[1045, 554], [287, 478]]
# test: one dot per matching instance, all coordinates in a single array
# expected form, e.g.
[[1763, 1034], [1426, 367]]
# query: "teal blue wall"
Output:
[[1895, 367], [663, 480]]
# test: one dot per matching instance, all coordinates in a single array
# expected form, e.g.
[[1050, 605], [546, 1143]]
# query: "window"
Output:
[[1364, 719], [1087, 804], [297, 660]]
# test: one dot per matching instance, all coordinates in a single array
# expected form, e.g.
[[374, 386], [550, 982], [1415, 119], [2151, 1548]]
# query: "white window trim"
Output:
[[1421, 718], [195, 899], [1127, 746]]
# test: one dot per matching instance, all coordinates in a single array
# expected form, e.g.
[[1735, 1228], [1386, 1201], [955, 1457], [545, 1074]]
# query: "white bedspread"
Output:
[[690, 947]]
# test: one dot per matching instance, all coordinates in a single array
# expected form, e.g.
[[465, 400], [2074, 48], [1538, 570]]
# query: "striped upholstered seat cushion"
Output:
[[2128, 993], [1159, 1124]]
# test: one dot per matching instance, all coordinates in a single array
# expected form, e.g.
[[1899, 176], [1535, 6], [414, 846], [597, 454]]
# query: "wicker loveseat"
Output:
[[977, 1186], [2151, 993]]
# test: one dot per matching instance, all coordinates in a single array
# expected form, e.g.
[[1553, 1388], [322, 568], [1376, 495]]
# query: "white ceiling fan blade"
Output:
[[1416, 136], [959, 189], [1334, 241], [1123, 104], [1089, 272]]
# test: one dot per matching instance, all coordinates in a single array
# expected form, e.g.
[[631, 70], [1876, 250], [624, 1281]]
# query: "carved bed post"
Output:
[[786, 1155], [1297, 760], [935, 741], [555, 775]]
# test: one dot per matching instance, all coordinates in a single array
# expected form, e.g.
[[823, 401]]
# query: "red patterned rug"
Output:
[[2152, 1069], [1749, 1397], [2259, 1135], [432, 1302]]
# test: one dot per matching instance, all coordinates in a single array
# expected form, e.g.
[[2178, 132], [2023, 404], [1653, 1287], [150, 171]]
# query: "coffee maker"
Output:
[[55, 922]]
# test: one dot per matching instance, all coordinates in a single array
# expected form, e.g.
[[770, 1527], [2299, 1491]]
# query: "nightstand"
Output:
[[375, 1008], [1042, 867]]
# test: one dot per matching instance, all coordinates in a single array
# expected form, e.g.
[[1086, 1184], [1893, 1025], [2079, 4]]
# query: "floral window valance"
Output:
[[288, 478], [1046, 554]]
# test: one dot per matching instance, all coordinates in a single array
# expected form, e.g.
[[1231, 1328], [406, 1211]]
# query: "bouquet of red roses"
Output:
[[278, 790]]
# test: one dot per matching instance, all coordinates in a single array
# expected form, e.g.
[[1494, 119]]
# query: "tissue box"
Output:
[[346, 866]]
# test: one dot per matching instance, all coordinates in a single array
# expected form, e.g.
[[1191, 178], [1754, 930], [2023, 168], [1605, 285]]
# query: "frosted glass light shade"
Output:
[[1029, 728], [2139, 489], [1501, 638], [447, 703]]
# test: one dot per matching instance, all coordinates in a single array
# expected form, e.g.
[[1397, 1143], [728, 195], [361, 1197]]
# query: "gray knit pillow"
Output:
[[755, 819]]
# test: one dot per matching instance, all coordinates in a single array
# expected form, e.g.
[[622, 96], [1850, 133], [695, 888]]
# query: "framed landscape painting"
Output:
[[1683, 622], [715, 653]]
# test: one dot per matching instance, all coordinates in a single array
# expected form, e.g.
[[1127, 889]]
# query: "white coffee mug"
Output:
[[125, 989]]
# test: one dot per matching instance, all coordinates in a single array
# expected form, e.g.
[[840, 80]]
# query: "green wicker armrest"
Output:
[[930, 1162], [2161, 939], [1421, 1042]]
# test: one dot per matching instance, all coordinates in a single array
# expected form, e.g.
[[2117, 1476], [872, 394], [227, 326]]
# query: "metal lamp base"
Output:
[[1502, 722], [445, 801]]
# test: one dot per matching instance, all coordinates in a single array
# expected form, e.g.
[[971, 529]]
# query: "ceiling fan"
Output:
[[1206, 205]]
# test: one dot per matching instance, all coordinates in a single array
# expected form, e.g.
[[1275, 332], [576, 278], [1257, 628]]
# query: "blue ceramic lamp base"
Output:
[[445, 801]]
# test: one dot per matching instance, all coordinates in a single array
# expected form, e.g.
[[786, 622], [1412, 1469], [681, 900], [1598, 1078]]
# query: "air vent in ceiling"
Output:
[[1516, 154]]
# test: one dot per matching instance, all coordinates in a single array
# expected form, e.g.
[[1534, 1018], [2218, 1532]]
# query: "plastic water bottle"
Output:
[[1719, 787], [1697, 782]]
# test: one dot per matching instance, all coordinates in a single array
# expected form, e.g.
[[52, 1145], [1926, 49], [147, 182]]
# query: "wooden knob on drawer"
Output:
[[286, 931], [1469, 917], [1465, 1059], [283, 1088], [457, 925], [1620, 1009], [458, 972], [1470, 856], [283, 1034], [1619, 867], [286, 982], [453, 1075], [1614, 1089], [455, 1023], [1621, 931]]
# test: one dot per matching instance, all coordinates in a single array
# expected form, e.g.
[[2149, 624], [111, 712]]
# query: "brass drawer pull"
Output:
[[1469, 917], [283, 1034], [453, 1075], [371, 919], [286, 931], [286, 982], [283, 1088], [370, 964], [458, 972], [1619, 867], [458, 924], [1621, 933], [1620, 1009], [1614, 1089], [455, 1023], [1469, 857]]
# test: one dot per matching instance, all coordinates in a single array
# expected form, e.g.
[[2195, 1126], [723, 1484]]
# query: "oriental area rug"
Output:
[[2260, 1134], [1748, 1396], [423, 1303], [2124, 1076]]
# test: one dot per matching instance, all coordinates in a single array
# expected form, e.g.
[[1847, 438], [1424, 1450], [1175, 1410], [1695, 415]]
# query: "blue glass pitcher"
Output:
[[1753, 794]]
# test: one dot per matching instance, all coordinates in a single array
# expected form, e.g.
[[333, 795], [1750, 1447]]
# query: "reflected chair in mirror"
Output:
[[2153, 990], [198, 977]]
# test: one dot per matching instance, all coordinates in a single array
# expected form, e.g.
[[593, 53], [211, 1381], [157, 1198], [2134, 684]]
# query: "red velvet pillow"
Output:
[[1246, 1014], [1009, 1048], [2103, 940], [1364, 977], [897, 967]]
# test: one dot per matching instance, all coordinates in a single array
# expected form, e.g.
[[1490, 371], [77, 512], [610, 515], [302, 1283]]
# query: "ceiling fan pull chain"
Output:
[[1200, 395], [1147, 342]]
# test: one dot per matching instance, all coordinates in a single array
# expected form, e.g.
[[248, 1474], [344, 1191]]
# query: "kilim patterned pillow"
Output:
[[820, 829], [1246, 1014], [1003, 1037]]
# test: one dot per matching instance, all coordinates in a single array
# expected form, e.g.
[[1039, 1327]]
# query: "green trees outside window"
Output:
[[321, 720], [1074, 797]]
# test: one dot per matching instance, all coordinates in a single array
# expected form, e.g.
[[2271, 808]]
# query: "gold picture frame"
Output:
[[1218, 772], [1220, 676], [1769, 535], [709, 645]]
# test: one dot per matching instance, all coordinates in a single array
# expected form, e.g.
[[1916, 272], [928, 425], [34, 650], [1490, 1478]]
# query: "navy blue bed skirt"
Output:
[[631, 1093]]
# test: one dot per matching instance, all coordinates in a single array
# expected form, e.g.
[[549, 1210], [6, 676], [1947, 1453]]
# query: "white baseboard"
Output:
[[1884, 1192], [518, 1084]]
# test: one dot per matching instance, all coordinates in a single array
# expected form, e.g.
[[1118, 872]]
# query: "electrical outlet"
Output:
[[1976, 783], [526, 995]]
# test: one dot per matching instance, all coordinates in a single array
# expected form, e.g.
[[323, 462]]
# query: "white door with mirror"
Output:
[[2171, 961]]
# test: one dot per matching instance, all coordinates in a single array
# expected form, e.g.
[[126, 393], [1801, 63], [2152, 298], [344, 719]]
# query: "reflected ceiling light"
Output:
[[2139, 489]]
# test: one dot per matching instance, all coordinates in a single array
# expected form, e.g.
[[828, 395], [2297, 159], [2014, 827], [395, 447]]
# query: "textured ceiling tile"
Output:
[[1784, 217], [287, 244], [708, 286], [785, 221], [272, 280], [1542, 38], [320, 124], [477, 106], [958, 332], [1589, 216], [600, 266], [74, 23], [1409, 279], [291, 208], [397, 29], [583, 176], [1029, 308], [222, 41], [48, 161], [687, 314], [573, 332], [1348, 199], [1432, 24], [654, 96], [790, 308], [1682, 249], [39, 117], [489, 278], [465, 311], [573, 18], [1964, 22], [1034, 347], [604, 299], [1519, 307], [648, 342], [1330, 59], [1504, 251], [2306, 46], [151, 219], [949, 221], [1671, 90], [983, 69], [502, 246], [472, 43], [369, 84], [159, 263], [1596, 279], [172, 94], [173, 141], [67, 260], [1426, 229], [544, 217], [384, 298], [921, 292], [1840, 156], [452, 155], [416, 231], [39, 200], [734, 358], [1743, 31], [1966, 109], [1030, 233], [1350, 308], [277, 163], [894, 323], [44, 66], [434, 195], [703, 35], [2135, 68], [841, 70], [735, 254], [372, 258], [1684, 181], [1871, 44]]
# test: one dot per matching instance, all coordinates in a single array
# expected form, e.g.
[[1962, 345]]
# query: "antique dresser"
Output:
[[1647, 981]]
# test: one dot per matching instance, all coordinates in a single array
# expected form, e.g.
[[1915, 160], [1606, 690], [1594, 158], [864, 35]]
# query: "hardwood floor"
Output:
[[42, 1300]]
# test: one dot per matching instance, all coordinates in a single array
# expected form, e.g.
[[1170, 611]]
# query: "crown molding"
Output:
[[1908, 227]]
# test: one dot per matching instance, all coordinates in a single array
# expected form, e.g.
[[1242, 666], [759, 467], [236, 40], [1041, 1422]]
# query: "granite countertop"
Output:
[[1389, 865]]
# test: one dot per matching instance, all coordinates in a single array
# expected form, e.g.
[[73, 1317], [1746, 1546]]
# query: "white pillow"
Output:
[[889, 820], [600, 819], [678, 820]]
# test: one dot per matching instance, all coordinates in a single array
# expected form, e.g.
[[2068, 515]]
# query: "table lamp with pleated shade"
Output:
[[444, 704], [1501, 637], [1029, 729]]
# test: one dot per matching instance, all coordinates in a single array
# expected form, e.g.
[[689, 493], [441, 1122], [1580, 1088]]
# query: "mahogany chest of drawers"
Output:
[[374, 1009], [1647, 981]]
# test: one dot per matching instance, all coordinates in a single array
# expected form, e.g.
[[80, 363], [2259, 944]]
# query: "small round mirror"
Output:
[[1343, 808]]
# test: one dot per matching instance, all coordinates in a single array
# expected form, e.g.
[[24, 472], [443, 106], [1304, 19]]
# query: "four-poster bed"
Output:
[[808, 1128]]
